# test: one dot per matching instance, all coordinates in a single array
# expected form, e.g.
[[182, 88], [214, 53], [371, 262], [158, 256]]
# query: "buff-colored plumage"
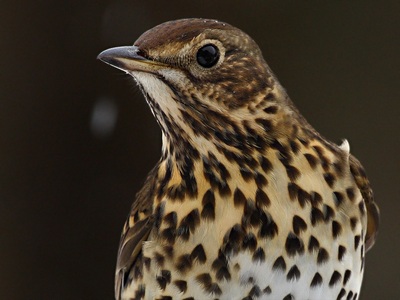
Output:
[[248, 201]]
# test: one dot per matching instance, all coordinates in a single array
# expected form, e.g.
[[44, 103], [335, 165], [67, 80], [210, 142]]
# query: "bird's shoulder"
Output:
[[362, 182], [342, 154]]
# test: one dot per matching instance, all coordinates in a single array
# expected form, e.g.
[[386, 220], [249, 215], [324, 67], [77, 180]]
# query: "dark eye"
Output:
[[207, 56]]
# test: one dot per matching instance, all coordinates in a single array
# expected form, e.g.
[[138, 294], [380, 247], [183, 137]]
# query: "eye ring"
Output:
[[208, 56]]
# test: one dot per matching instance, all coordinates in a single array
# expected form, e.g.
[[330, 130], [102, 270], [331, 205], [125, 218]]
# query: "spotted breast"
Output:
[[248, 201]]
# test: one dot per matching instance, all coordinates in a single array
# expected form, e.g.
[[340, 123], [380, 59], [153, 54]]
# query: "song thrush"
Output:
[[248, 201]]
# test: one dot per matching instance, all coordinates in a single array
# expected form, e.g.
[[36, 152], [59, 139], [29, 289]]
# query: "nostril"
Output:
[[141, 53]]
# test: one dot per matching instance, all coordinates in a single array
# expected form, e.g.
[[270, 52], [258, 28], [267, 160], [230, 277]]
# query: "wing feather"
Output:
[[364, 186], [136, 230]]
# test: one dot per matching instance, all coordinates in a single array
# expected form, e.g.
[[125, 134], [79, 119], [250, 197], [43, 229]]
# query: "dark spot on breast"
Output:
[[353, 223], [159, 213], [297, 192], [339, 168], [208, 211], [238, 198], [261, 181], [168, 251], [293, 274], [188, 224], [250, 215], [223, 274], [357, 239], [329, 213], [271, 109], [303, 197], [316, 281], [140, 293], [323, 256], [350, 193], [341, 252], [259, 255], [168, 235], [316, 216], [233, 240], [147, 262], [165, 180], [335, 278], [288, 297], [336, 229], [283, 151], [319, 150], [198, 254], [325, 163], [292, 172], [176, 192], [293, 190], [181, 285], [249, 242], [209, 174], [246, 174], [234, 235], [299, 225], [164, 279], [224, 189], [330, 179], [279, 264], [220, 262], [266, 124], [312, 160], [349, 295], [184, 263], [313, 244], [205, 281], [250, 162], [255, 292], [262, 199], [304, 141], [269, 97], [338, 198], [224, 173], [265, 164], [268, 228], [346, 277], [159, 259], [267, 290], [294, 146], [188, 177], [171, 219], [342, 293], [293, 245], [316, 198]]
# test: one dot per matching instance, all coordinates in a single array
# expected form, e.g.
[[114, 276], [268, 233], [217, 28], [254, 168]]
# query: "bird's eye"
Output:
[[207, 56]]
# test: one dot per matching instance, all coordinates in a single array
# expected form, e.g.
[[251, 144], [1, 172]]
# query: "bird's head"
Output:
[[204, 80]]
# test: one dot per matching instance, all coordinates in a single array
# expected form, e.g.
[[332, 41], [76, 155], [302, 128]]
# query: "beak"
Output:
[[129, 59]]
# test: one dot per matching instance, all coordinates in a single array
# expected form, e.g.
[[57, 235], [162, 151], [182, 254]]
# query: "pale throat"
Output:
[[184, 146]]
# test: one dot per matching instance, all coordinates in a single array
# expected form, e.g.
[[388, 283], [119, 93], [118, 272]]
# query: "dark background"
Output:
[[77, 139]]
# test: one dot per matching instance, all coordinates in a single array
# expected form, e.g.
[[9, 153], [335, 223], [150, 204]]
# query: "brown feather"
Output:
[[134, 235], [368, 196]]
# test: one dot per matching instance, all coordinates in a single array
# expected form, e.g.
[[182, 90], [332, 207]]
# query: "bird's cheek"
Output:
[[173, 76]]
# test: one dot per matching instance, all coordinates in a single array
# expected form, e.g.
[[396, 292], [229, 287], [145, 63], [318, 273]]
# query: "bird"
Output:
[[248, 200]]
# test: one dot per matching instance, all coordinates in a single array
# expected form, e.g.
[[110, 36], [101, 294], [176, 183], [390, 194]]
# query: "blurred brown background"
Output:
[[77, 139]]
